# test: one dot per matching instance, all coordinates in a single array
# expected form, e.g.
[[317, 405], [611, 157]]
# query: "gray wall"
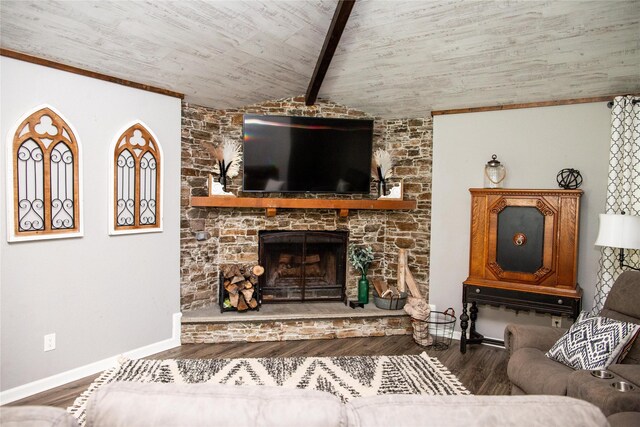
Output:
[[533, 144], [102, 295]]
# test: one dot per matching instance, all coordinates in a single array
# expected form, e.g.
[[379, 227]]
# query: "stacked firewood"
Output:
[[241, 283], [291, 266]]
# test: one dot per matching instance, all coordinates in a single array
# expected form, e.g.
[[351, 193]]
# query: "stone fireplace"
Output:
[[302, 266], [234, 233]]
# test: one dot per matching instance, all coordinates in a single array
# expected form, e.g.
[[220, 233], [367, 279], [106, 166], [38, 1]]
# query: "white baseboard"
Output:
[[62, 378]]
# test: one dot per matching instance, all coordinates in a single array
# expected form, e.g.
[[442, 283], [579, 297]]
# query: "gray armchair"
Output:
[[531, 372]]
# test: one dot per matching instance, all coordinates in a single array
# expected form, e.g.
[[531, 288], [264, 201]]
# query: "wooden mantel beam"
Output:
[[339, 21], [272, 204]]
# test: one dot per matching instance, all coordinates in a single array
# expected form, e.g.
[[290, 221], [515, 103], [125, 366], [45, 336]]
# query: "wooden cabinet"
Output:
[[525, 240], [523, 253]]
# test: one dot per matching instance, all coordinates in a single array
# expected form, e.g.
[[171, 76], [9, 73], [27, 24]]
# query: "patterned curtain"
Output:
[[623, 189]]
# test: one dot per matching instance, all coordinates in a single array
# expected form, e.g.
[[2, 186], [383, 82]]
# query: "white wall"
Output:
[[101, 295], [533, 144]]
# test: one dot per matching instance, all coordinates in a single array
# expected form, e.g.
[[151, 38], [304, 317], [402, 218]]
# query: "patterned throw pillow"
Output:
[[593, 343], [584, 315], [625, 350]]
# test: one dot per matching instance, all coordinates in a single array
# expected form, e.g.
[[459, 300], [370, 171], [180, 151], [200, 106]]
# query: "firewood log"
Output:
[[232, 288], [227, 271], [247, 284], [289, 272], [253, 303], [242, 304], [285, 258], [313, 270], [247, 293], [244, 271], [402, 267], [257, 270], [237, 279], [251, 276], [309, 259], [233, 299], [230, 271], [312, 259], [236, 270], [380, 286], [411, 284]]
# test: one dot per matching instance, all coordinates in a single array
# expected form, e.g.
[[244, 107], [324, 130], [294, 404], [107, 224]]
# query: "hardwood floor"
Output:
[[482, 369]]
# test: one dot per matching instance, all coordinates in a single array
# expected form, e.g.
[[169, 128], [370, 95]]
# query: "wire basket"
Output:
[[437, 331]]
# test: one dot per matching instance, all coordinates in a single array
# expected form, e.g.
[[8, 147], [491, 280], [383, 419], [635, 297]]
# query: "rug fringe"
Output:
[[450, 376], [79, 405], [122, 359]]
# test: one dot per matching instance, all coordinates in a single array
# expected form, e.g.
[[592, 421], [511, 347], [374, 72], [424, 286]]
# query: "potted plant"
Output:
[[361, 258]]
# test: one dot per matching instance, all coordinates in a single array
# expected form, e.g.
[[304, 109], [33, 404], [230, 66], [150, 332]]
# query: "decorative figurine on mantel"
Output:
[[382, 171], [228, 158]]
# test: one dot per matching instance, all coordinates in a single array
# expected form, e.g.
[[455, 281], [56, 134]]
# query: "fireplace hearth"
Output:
[[302, 266]]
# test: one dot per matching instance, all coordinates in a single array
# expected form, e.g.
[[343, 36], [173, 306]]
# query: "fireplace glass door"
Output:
[[302, 266]]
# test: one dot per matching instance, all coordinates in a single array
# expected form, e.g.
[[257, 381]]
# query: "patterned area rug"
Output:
[[345, 377]]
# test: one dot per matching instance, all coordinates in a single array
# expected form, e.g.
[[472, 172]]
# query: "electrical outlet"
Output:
[[556, 321], [49, 342]]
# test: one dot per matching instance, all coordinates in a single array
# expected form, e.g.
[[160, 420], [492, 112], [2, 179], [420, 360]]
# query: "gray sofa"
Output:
[[35, 416], [212, 405], [531, 372]]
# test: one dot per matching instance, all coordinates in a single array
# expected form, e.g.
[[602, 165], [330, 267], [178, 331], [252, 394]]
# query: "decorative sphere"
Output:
[[569, 179]]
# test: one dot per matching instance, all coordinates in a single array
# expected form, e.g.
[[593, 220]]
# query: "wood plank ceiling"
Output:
[[395, 58]]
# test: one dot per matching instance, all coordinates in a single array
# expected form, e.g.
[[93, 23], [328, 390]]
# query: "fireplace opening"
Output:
[[302, 266]]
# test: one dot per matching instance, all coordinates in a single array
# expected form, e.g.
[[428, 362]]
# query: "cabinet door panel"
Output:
[[520, 240]]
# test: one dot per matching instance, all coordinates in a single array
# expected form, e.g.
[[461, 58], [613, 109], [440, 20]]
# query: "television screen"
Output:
[[306, 154]]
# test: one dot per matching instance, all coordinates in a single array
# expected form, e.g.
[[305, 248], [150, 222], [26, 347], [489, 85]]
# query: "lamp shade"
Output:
[[619, 231]]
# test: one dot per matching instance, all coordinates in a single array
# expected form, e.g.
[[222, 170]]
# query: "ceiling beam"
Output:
[[339, 21], [538, 104], [82, 72]]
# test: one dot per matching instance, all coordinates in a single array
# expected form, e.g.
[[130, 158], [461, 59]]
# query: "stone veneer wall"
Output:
[[234, 231], [201, 333]]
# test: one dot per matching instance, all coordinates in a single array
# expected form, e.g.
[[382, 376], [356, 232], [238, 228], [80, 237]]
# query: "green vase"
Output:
[[363, 289]]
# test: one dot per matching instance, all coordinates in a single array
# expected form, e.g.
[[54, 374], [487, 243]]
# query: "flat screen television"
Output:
[[306, 154]]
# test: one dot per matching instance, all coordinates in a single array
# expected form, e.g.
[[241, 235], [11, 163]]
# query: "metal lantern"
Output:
[[494, 173]]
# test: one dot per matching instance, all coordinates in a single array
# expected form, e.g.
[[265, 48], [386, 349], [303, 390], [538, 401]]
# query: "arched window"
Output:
[[136, 182], [46, 179]]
